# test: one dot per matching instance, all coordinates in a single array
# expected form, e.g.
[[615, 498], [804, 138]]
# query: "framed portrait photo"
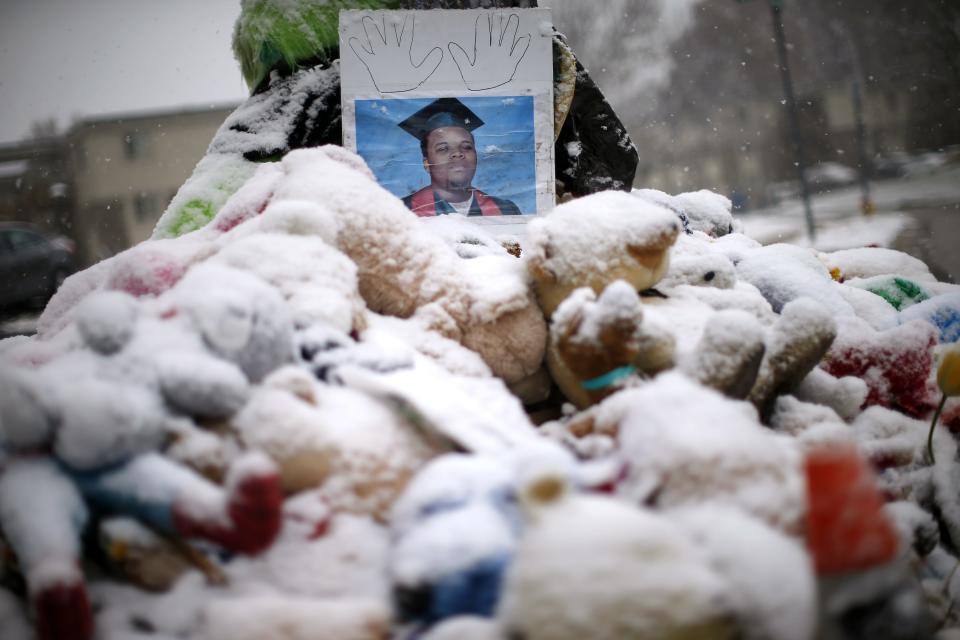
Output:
[[453, 110]]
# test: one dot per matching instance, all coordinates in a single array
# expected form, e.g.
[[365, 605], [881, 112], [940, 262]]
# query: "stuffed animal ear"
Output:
[[649, 258], [568, 328], [540, 271]]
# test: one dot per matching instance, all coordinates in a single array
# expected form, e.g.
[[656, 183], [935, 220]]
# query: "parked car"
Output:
[[828, 175], [33, 264]]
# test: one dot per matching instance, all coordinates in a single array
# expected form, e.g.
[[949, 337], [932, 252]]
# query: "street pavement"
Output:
[[935, 239]]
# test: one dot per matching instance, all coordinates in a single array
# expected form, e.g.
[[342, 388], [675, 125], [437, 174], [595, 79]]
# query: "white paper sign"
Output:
[[453, 110]]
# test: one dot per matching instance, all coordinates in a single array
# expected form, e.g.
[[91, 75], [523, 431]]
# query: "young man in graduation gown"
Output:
[[445, 130]]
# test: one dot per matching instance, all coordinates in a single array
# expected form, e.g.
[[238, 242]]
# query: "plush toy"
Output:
[[599, 344], [356, 418], [844, 395], [701, 211], [82, 430], [592, 241], [785, 272], [289, 245], [685, 444], [454, 533], [44, 509], [357, 452], [135, 553], [594, 567], [942, 311], [900, 293], [455, 529], [700, 318], [857, 552], [869, 262], [896, 364]]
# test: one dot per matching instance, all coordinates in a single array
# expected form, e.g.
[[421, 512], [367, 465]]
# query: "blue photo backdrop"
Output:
[[506, 160]]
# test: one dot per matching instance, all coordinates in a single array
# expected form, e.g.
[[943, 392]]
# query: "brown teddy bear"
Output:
[[592, 241]]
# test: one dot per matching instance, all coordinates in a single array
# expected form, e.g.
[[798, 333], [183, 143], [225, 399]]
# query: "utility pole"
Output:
[[776, 9], [866, 202]]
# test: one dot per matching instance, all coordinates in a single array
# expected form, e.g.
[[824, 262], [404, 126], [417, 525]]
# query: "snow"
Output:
[[105, 423], [318, 282], [784, 272], [42, 530], [866, 262], [879, 230], [246, 323], [686, 444], [468, 240], [837, 213], [465, 628], [943, 312], [587, 235], [584, 321], [595, 567], [255, 617], [442, 546], [793, 416], [350, 446], [771, 583], [318, 329], [498, 286], [844, 395], [702, 270], [106, 321], [348, 560], [25, 415], [445, 352], [223, 393], [709, 212]]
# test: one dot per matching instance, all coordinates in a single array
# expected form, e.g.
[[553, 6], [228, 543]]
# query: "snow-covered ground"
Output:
[[839, 221], [918, 214]]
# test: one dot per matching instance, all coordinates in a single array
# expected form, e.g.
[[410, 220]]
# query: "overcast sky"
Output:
[[75, 58]]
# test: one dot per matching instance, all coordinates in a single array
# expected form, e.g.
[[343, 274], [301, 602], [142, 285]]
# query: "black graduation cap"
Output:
[[442, 112]]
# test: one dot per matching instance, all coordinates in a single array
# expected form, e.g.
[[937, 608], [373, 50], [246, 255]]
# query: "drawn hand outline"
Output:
[[385, 49], [489, 53]]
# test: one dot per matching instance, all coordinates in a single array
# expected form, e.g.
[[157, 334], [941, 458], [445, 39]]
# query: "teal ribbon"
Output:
[[608, 379]]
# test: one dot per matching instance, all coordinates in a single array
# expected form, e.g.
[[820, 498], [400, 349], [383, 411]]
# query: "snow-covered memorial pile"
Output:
[[316, 415]]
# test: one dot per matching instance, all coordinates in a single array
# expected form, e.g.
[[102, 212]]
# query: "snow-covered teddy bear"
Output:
[[601, 344], [81, 431], [591, 566], [589, 243], [592, 241], [356, 452]]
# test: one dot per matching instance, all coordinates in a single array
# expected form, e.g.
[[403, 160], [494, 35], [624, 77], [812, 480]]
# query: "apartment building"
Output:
[[126, 168]]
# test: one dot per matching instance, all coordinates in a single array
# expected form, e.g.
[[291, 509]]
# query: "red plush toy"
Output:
[[895, 364], [847, 529]]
